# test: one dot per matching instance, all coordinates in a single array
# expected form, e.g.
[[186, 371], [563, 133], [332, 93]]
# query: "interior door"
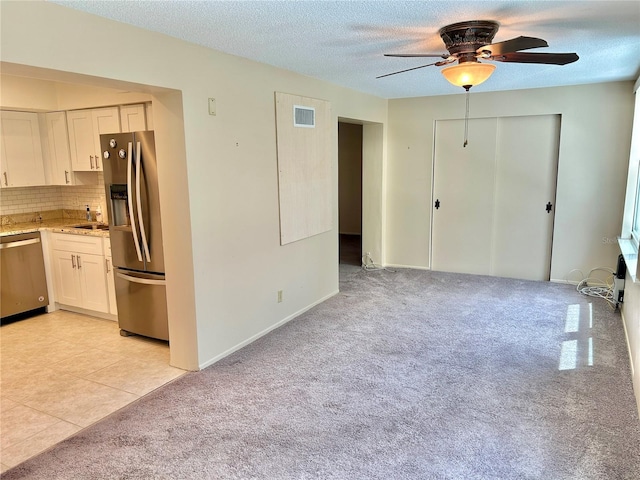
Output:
[[463, 184], [490, 198]]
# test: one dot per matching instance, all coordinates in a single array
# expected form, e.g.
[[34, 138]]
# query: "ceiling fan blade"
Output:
[[412, 55], [409, 69], [513, 45], [547, 58]]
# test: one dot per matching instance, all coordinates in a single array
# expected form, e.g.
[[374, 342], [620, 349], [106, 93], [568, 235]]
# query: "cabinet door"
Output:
[[81, 140], [59, 160], [111, 286], [132, 118], [105, 120], [93, 282], [149, 112], [65, 273], [21, 153]]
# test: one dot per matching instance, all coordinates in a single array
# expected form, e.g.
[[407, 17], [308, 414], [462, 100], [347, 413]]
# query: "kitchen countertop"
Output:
[[59, 225]]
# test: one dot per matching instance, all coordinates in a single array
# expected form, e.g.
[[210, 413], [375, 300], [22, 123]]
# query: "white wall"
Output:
[[631, 316], [631, 304], [218, 173], [593, 160]]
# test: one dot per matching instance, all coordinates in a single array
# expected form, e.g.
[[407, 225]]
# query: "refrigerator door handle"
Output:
[[144, 281], [130, 202], [143, 234]]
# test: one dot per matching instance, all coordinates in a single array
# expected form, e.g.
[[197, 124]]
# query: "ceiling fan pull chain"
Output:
[[466, 122]]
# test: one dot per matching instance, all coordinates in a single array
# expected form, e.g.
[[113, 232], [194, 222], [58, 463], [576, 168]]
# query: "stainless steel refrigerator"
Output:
[[133, 206]]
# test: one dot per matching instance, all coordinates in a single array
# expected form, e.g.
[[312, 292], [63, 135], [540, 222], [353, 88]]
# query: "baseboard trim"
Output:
[[84, 311], [397, 265], [626, 336], [566, 282], [264, 332], [636, 386]]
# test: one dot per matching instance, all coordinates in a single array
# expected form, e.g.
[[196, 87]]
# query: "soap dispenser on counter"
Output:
[[99, 214], [88, 213]]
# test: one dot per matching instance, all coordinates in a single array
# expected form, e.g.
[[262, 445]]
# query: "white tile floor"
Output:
[[62, 371]]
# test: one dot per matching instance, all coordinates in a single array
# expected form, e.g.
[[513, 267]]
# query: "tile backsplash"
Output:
[[21, 200]]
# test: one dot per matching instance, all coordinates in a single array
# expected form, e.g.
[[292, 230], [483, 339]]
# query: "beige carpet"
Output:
[[408, 374]]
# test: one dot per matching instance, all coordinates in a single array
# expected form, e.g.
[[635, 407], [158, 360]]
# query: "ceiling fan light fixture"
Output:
[[468, 74]]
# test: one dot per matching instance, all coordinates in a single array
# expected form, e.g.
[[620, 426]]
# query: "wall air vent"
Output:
[[304, 116]]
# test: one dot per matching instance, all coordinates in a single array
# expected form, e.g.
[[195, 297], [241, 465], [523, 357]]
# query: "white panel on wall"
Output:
[[304, 169]]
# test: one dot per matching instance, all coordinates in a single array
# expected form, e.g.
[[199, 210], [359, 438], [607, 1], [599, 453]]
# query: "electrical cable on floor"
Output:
[[369, 265], [596, 287]]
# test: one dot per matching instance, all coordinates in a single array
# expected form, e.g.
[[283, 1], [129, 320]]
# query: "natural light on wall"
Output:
[[577, 351]]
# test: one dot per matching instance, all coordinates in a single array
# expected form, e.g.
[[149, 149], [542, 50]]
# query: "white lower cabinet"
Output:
[[111, 280], [80, 272]]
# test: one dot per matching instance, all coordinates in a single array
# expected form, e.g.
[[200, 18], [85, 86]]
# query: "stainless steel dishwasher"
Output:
[[23, 284]]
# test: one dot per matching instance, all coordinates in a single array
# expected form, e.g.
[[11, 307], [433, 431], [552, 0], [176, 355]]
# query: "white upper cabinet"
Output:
[[21, 163], [58, 159], [132, 118], [149, 109], [85, 128]]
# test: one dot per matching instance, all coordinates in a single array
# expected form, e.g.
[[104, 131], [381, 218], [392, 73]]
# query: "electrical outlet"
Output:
[[279, 296], [212, 106]]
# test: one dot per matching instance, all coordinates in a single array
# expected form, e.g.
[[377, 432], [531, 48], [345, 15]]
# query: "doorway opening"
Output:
[[350, 193], [81, 92]]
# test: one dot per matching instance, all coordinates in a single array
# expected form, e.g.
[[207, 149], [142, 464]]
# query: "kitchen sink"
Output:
[[92, 226]]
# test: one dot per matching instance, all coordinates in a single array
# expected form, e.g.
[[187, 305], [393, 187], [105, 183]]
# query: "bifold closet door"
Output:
[[490, 198], [463, 185], [526, 175]]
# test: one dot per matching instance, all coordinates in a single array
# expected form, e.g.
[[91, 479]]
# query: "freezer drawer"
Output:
[[142, 303]]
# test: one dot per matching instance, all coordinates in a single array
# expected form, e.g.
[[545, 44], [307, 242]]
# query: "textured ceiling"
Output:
[[343, 42]]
